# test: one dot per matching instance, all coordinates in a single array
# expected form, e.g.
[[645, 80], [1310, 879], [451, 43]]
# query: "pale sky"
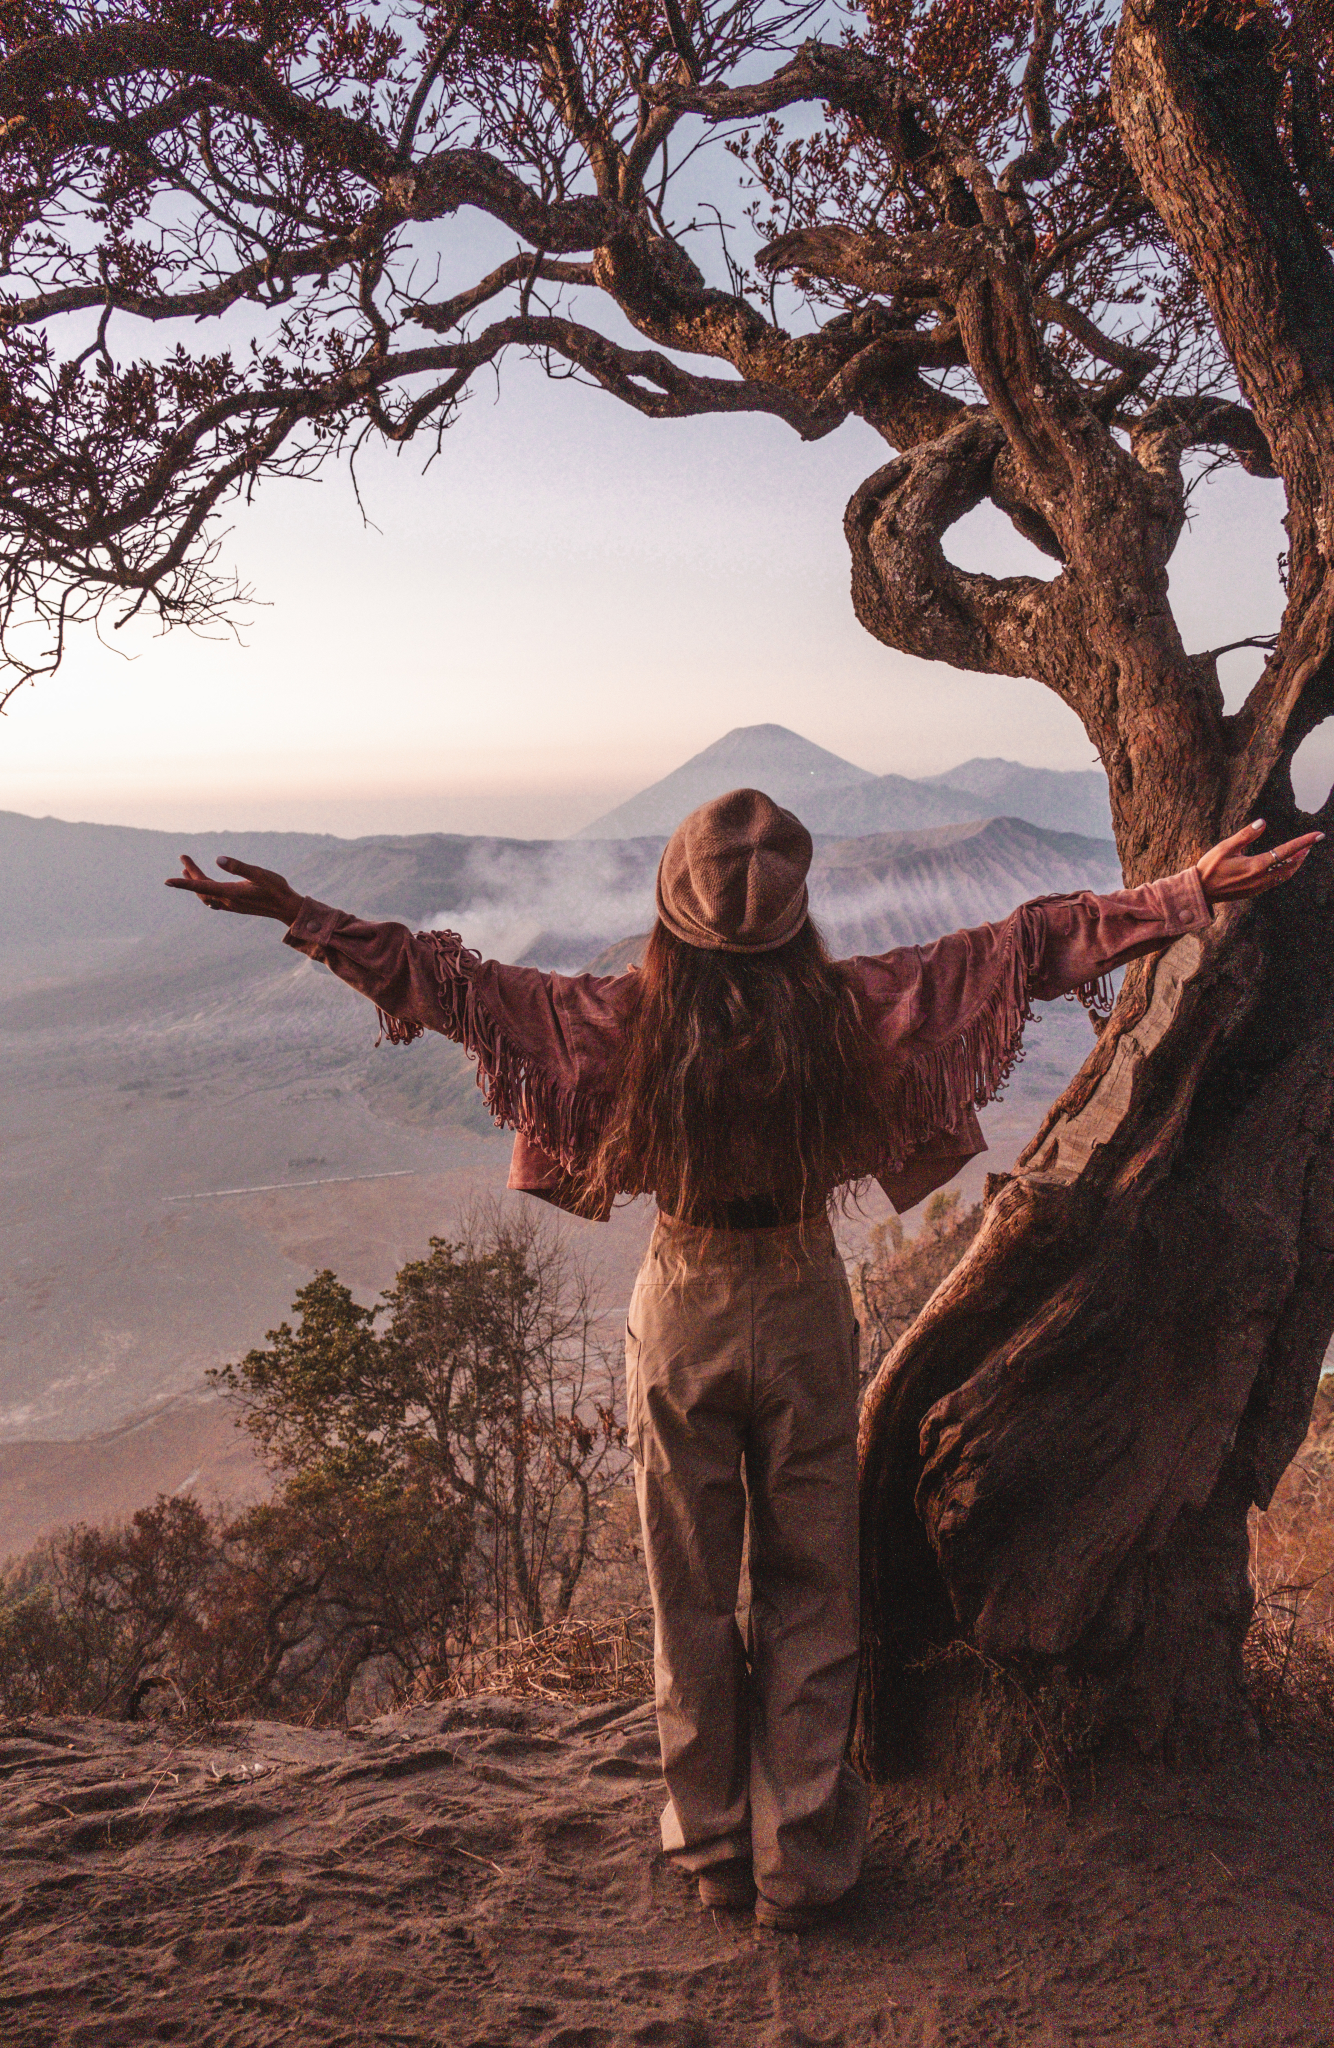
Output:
[[570, 602]]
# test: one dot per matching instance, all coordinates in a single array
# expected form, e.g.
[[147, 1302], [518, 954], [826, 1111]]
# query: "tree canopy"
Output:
[[922, 213]]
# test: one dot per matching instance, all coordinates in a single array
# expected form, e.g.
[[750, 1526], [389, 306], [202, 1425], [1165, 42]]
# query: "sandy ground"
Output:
[[486, 1875]]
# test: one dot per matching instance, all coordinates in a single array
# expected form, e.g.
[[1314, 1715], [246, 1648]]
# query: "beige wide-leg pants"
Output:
[[741, 1346]]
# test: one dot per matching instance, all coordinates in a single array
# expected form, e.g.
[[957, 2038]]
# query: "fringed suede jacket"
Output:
[[948, 1018]]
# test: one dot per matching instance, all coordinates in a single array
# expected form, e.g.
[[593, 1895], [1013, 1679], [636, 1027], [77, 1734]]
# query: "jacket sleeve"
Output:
[[1084, 937], [1048, 947], [431, 981], [402, 972], [949, 1017]]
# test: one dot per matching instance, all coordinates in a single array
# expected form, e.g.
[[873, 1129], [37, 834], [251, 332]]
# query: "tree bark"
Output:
[[1060, 1456]]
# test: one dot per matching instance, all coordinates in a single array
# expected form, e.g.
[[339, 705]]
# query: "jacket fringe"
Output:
[[929, 1092], [565, 1122], [1098, 997], [935, 1088]]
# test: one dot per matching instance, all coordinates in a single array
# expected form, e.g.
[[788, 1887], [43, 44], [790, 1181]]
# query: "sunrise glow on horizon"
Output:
[[568, 604]]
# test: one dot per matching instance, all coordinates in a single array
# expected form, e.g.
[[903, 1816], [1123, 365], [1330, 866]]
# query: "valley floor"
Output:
[[485, 1874]]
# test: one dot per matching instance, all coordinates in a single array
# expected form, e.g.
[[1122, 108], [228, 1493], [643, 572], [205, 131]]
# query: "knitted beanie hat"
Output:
[[733, 876]]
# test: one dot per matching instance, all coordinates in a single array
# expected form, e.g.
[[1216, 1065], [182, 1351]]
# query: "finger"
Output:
[[1262, 875], [205, 886], [209, 902], [1283, 857], [1283, 862], [1287, 868], [1242, 839], [241, 867], [192, 867], [1294, 846]]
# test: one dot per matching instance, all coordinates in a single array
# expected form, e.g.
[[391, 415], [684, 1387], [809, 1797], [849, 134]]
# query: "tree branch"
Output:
[[431, 71], [890, 104], [925, 266], [1044, 155], [1162, 434], [446, 313], [61, 64], [906, 591]]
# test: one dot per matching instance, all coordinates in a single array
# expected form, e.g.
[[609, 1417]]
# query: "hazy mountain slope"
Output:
[[129, 943], [888, 803], [1065, 800], [75, 896], [790, 769], [904, 888], [179, 1055]]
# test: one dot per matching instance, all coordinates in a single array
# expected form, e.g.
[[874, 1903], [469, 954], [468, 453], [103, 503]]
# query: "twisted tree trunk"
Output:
[[1059, 1458]]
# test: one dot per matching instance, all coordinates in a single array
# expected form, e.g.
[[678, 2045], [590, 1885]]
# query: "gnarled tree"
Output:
[[1048, 256]]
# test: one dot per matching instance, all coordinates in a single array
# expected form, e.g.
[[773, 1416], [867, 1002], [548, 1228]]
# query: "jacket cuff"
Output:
[[312, 928], [1187, 907]]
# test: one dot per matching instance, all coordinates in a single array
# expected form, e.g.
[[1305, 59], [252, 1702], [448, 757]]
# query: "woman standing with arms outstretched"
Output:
[[742, 1077]]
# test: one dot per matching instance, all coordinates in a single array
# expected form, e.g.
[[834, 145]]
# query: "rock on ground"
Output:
[[486, 1874]]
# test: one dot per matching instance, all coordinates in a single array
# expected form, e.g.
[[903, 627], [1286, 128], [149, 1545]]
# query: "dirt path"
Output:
[[485, 1875]]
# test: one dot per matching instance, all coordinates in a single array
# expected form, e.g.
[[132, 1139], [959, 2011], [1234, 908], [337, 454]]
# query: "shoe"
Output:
[[729, 1887], [796, 1919]]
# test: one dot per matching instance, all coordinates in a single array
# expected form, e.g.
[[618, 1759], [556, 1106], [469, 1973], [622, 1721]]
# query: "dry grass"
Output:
[[1290, 1678], [1290, 1648], [580, 1662]]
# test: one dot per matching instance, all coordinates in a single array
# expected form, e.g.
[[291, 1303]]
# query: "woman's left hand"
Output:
[[257, 892], [1229, 872]]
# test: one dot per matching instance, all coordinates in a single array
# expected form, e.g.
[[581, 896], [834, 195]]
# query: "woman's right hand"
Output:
[[257, 892], [1227, 872]]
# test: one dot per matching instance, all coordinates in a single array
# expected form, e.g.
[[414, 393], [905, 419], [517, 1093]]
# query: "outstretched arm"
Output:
[[403, 973], [540, 1040], [963, 999]]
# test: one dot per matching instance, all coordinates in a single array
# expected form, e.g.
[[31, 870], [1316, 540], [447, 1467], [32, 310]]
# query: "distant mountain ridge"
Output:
[[832, 795], [76, 896]]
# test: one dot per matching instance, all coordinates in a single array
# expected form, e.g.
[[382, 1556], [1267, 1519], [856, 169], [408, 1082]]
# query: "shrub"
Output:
[[438, 1478], [489, 1381]]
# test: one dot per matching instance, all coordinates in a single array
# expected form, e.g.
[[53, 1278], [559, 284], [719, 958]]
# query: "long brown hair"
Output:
[[740, 1074]]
